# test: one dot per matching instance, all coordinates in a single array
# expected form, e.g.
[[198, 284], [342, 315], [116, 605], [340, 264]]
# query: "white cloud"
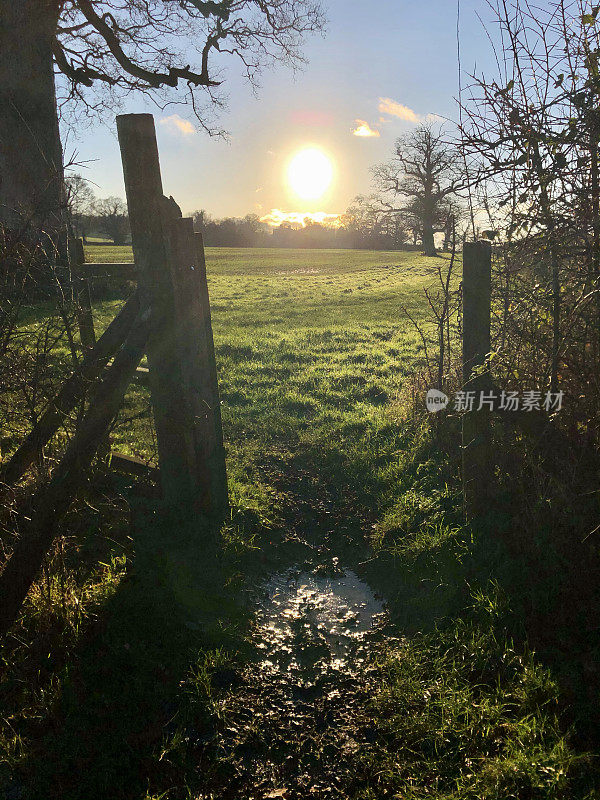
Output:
[[176, 124], [394, 109], [364, 129]]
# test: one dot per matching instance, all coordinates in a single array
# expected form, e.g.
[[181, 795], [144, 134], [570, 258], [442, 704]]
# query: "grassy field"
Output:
[[316, 357], [313, 349]]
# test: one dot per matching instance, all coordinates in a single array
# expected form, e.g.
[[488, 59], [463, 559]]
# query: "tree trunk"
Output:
[[428, 239], [31, 168], [595, 204], [448, 230]]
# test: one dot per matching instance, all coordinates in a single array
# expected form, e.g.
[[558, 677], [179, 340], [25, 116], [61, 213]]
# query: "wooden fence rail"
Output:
[[126, 270], [54, 499], [72, 391]]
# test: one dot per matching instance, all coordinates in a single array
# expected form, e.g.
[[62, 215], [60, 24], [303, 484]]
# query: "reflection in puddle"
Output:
[[311, 623], [294, 724]]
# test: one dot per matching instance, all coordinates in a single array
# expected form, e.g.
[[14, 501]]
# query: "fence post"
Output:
[[220, 466], [83, 299], [143, 186], [476, 428], [196, 353], [166, 260]]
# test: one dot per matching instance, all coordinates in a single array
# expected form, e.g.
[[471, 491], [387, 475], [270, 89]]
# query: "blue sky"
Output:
[[396, 49]]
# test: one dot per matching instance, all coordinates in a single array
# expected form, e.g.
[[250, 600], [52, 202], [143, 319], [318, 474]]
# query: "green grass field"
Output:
[[316, 357], [313, 350]]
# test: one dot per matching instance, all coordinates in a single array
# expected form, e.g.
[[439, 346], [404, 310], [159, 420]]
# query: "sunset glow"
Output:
[[310, 173], [277, 217]]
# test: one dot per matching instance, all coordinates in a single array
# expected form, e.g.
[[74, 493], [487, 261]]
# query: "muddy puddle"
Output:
[[297, 723], [310, 623]]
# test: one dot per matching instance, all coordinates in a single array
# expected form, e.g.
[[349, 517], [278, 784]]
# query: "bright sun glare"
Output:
[[310, 173]]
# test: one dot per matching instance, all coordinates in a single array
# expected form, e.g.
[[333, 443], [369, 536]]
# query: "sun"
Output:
[[310, 173]]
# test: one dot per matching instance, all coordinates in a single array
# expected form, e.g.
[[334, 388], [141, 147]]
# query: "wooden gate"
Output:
[[168, 318]]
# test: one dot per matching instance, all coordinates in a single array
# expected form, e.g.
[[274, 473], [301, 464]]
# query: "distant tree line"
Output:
[[246, 231], [90, 216], [362, 227], [416, 205]]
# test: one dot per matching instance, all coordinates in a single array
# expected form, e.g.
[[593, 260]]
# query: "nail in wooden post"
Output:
[[476, 431], [143, 186]]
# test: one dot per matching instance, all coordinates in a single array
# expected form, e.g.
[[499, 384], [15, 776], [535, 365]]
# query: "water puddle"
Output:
[[310, 622], [296, 721]]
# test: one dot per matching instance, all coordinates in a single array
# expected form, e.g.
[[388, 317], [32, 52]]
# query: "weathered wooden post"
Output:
[[83, 299], [476, 432], [196, 351], [183, 396], [220, 467]]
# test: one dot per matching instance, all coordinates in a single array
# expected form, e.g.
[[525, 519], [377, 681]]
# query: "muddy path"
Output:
[[294, 721]]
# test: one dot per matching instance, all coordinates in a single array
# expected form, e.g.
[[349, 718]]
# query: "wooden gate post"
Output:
[[196, 352], [83, 299], [220, 466], [143, 186], [476, 431], [183, 397]]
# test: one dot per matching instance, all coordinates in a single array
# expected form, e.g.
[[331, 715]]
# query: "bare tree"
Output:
[[80, 203], [119, 46], [111, 214], [534, 132], [424, 174], [531, 136]]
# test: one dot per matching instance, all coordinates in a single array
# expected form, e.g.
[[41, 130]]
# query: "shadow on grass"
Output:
[[398, 490], [108, 732], [117, 730]]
